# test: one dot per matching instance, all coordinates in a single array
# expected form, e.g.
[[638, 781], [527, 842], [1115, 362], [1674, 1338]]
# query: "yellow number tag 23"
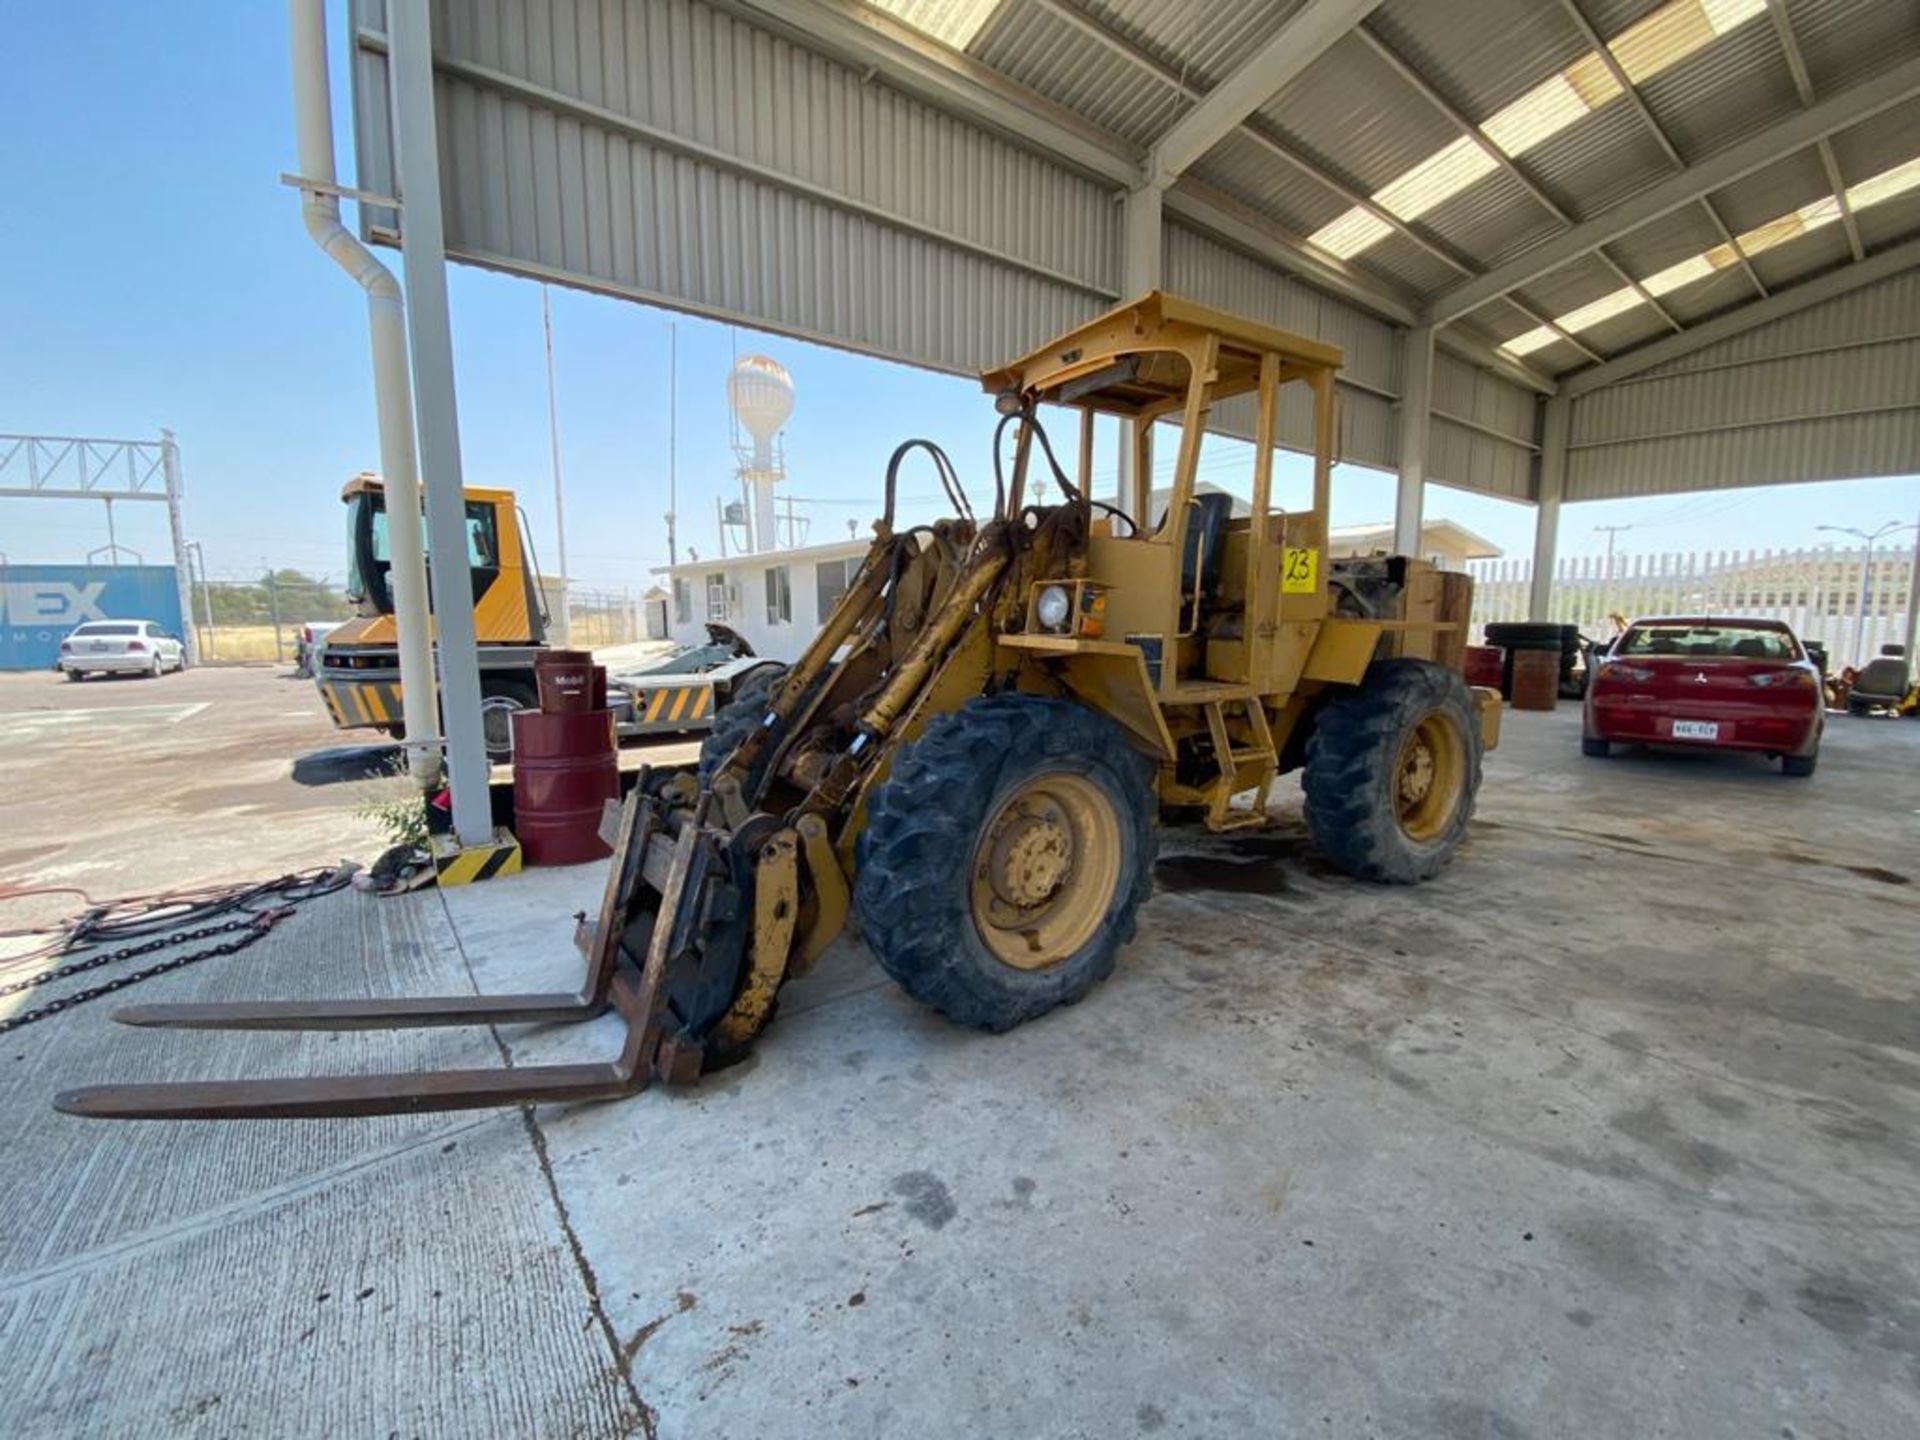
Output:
[[1299, 571]]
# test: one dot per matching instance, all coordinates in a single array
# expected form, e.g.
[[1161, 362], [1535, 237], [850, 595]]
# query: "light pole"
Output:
[[194, 553], [1606, 584], [553, 440], [1866, 578]]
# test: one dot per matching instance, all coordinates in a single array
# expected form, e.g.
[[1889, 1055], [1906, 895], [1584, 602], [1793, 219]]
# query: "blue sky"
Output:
[[158, 274]]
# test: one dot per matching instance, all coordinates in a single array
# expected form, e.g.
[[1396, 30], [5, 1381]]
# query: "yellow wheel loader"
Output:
[[974, 755]]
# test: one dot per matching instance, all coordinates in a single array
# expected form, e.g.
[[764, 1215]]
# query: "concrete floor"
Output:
[[1610, 1131], [133, 785]]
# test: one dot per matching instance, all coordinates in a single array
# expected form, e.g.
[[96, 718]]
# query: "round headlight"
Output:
[[1053, 607]]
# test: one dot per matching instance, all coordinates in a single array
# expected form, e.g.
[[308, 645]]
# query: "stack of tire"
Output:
[[1521, 635]]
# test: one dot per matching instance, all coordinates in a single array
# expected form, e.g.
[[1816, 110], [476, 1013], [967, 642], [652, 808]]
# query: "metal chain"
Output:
[[253, 928]]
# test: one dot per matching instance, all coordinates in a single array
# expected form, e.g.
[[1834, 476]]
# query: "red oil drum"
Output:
[[1484, 665], [565, 678], [564, 769]]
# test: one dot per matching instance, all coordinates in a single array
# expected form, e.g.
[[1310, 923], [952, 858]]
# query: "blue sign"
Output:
[[39, 604]]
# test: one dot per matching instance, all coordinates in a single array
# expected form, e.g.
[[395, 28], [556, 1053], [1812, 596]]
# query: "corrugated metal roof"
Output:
[[1407, 265], [1773, 191], [1351, 113], [1032, 44], [1600, 160], [1723, 91], [1492, 217], [1247, 170], [1482, 55], [1879, 143], [778, 164], [1890, 220], [1705, 298], [1845, 41], [1204, 42], [1577, 283], [1803, 257], [1670, 239], [1625, 330]]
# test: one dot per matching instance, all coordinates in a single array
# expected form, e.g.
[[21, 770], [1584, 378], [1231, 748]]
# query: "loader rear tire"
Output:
[[1006, 857], [1392, 772], [735, 720]]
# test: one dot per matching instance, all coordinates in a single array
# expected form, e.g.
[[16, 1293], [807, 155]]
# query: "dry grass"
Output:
[[245, 642]]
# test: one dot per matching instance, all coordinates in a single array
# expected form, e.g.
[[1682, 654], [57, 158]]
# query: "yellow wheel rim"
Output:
[[1430, 777], [1043, 872]]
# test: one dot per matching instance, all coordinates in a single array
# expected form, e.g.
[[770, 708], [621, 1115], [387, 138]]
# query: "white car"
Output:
[[120, 647]]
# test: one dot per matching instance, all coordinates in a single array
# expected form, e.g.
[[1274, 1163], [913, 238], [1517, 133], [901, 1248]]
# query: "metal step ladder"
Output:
[[1252, 767]]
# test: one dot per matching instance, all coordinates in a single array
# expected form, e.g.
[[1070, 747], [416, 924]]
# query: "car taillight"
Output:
[[133, 645], [1783, 679], [1632, 674]]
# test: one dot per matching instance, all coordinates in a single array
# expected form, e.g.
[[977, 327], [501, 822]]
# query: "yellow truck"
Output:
[[358, 669], [357, 666]]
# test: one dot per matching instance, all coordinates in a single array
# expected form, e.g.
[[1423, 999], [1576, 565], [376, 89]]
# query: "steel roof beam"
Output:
[[1306, 35], [1803, 83], [943, 77], [873, 41], [1685, 187], [1255, 234], [1457, 118], [1782, 303], [1651, 123], [1139, 59]]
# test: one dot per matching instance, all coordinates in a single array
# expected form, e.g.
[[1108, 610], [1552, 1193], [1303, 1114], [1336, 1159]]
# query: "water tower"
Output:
[[761, 393]]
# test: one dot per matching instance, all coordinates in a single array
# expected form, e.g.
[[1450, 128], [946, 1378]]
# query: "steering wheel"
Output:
[[1133, 526]]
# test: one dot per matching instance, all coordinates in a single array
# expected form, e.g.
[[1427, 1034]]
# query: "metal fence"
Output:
[[601, 617], [1819, 592]]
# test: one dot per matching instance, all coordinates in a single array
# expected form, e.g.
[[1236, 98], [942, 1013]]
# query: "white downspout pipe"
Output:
[[392, 390]]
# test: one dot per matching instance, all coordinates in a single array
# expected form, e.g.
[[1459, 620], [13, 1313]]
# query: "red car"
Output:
[[1715, 683]]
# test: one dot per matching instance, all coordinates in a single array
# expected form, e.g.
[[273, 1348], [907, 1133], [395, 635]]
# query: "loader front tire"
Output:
[[1006, 857], [1392, 772], [735, 720]]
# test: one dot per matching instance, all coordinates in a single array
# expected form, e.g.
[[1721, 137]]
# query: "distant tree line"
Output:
[[300, 596]]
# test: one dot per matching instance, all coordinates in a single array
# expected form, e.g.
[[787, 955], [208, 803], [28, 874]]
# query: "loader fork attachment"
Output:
[[647, 894]]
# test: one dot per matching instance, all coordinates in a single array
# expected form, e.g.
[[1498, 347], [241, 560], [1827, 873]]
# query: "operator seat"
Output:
[[1206, 543]]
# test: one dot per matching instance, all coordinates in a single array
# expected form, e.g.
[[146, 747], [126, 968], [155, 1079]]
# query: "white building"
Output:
[[776, 598], [1444, 543]]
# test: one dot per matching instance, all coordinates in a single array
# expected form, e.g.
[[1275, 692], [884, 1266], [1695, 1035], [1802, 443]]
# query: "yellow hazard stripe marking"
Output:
[[376, 707], [659, 700], [454, 866], [700, 699], [359, 706], [680, 698]]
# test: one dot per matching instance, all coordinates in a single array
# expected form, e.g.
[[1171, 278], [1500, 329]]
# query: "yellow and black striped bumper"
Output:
[[454, 865], [673, 707], [355, 704]]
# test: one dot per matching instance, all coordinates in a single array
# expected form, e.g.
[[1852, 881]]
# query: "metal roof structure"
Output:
[[1686, 226]]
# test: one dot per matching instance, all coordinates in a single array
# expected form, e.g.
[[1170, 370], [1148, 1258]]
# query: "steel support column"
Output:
[[176, 527], [1141, 236], [1416, 421], [1546, 520], [437, 421]]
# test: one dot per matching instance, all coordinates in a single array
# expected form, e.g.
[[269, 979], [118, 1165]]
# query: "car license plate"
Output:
[[1695, 730]]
